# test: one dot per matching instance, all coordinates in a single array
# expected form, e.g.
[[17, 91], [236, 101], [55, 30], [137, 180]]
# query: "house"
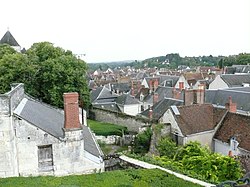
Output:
[[158, 110], [128, 104], [10, 40], [230, 80], [195, 122], [233, 138], [240, 96], [38, 139], [102, 95]]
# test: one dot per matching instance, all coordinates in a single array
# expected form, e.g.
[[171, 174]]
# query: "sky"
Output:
[[117, 30]]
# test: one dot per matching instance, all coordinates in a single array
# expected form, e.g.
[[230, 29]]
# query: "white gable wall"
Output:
[[217, 83], [144, 83], [182, 79], [132, 110]]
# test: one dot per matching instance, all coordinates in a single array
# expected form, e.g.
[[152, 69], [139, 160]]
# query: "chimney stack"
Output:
[[156, 83], [176, 94], [150, 113], [181, 86], [155, 98], [71, 111], [232, 107], [150, 86]]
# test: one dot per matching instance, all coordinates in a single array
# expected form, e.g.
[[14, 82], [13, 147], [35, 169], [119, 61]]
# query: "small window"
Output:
[[45, 158]]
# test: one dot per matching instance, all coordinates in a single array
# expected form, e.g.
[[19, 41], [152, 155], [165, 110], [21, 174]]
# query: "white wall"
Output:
[[182, 79], [69, 156], [8, 161], [132, 110], [217, 83], [205, 138]]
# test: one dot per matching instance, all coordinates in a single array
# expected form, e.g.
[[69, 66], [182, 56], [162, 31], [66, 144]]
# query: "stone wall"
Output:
[[131, 122]]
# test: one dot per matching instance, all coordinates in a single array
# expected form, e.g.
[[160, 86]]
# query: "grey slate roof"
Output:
[[168, 80], [126, 99], [161, 107], [89, 143], [233, 80], [102, 93], [122, 87], [44, 117], [51, 120], [9, 39], [108, 106], [240, 96]]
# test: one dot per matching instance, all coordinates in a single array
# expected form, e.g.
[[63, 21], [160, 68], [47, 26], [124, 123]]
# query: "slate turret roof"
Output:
[[9, 39]]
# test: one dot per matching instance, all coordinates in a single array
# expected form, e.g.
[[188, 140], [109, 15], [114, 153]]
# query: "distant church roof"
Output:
[[9, 39]]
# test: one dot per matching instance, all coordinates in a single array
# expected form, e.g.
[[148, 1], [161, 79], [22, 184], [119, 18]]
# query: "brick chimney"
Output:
[[181, 85], [150, 86], [155, 98], [150, 113], [176, 94], [200, 94], [188, 97], [132, 91], [71, 111], [232, 107], [156, 83], [138, 86]]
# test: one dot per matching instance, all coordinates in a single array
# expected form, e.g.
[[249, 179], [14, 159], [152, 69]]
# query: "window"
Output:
[[45, 158]]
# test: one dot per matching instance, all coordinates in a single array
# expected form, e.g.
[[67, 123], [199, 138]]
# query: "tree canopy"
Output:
[[46, 71]]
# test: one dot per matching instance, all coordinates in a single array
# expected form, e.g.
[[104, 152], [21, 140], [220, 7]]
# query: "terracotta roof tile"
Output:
[[235, 125], [198, 118]]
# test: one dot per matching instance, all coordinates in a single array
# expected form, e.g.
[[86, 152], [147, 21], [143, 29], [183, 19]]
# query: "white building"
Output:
[[37, 139]]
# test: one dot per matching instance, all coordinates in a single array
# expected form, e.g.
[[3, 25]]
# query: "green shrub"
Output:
[[142, 142]]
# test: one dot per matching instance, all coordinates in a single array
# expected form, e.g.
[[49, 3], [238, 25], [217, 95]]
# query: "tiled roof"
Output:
[[108, 106], [233, 80], [240, 96], [42, 116], [198, 118], [90, 143], [9, 39], [122, 87], [235, 125], [161, 107], [126, 99], [102, 93]]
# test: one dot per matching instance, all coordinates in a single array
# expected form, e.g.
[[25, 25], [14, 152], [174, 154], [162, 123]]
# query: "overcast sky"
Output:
[[114, 30]]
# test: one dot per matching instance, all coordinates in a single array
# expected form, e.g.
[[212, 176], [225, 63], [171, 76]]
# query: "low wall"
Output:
[[133, 123]]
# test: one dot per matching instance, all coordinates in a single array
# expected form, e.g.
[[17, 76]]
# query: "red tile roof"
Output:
[[198, 118], [235, 125]]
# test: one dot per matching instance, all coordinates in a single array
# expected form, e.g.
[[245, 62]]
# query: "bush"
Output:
[[142, 142]]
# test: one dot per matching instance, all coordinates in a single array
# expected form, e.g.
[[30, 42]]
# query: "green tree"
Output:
[[56, 71], [46, 71]]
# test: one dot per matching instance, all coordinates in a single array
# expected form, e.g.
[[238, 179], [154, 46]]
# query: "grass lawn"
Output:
[[119, 178], [106, 129]]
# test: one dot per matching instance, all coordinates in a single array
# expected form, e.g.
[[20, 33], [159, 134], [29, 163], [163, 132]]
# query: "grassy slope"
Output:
[[125, 178], [106, 129]]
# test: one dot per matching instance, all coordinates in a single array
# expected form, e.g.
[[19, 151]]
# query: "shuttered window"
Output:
[[45, 158]]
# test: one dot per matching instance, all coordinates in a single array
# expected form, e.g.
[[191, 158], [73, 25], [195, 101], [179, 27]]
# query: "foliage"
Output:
[[125, 178], [106, 129], [167, 147], [196, 161], [142, 142], [46, 71]]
